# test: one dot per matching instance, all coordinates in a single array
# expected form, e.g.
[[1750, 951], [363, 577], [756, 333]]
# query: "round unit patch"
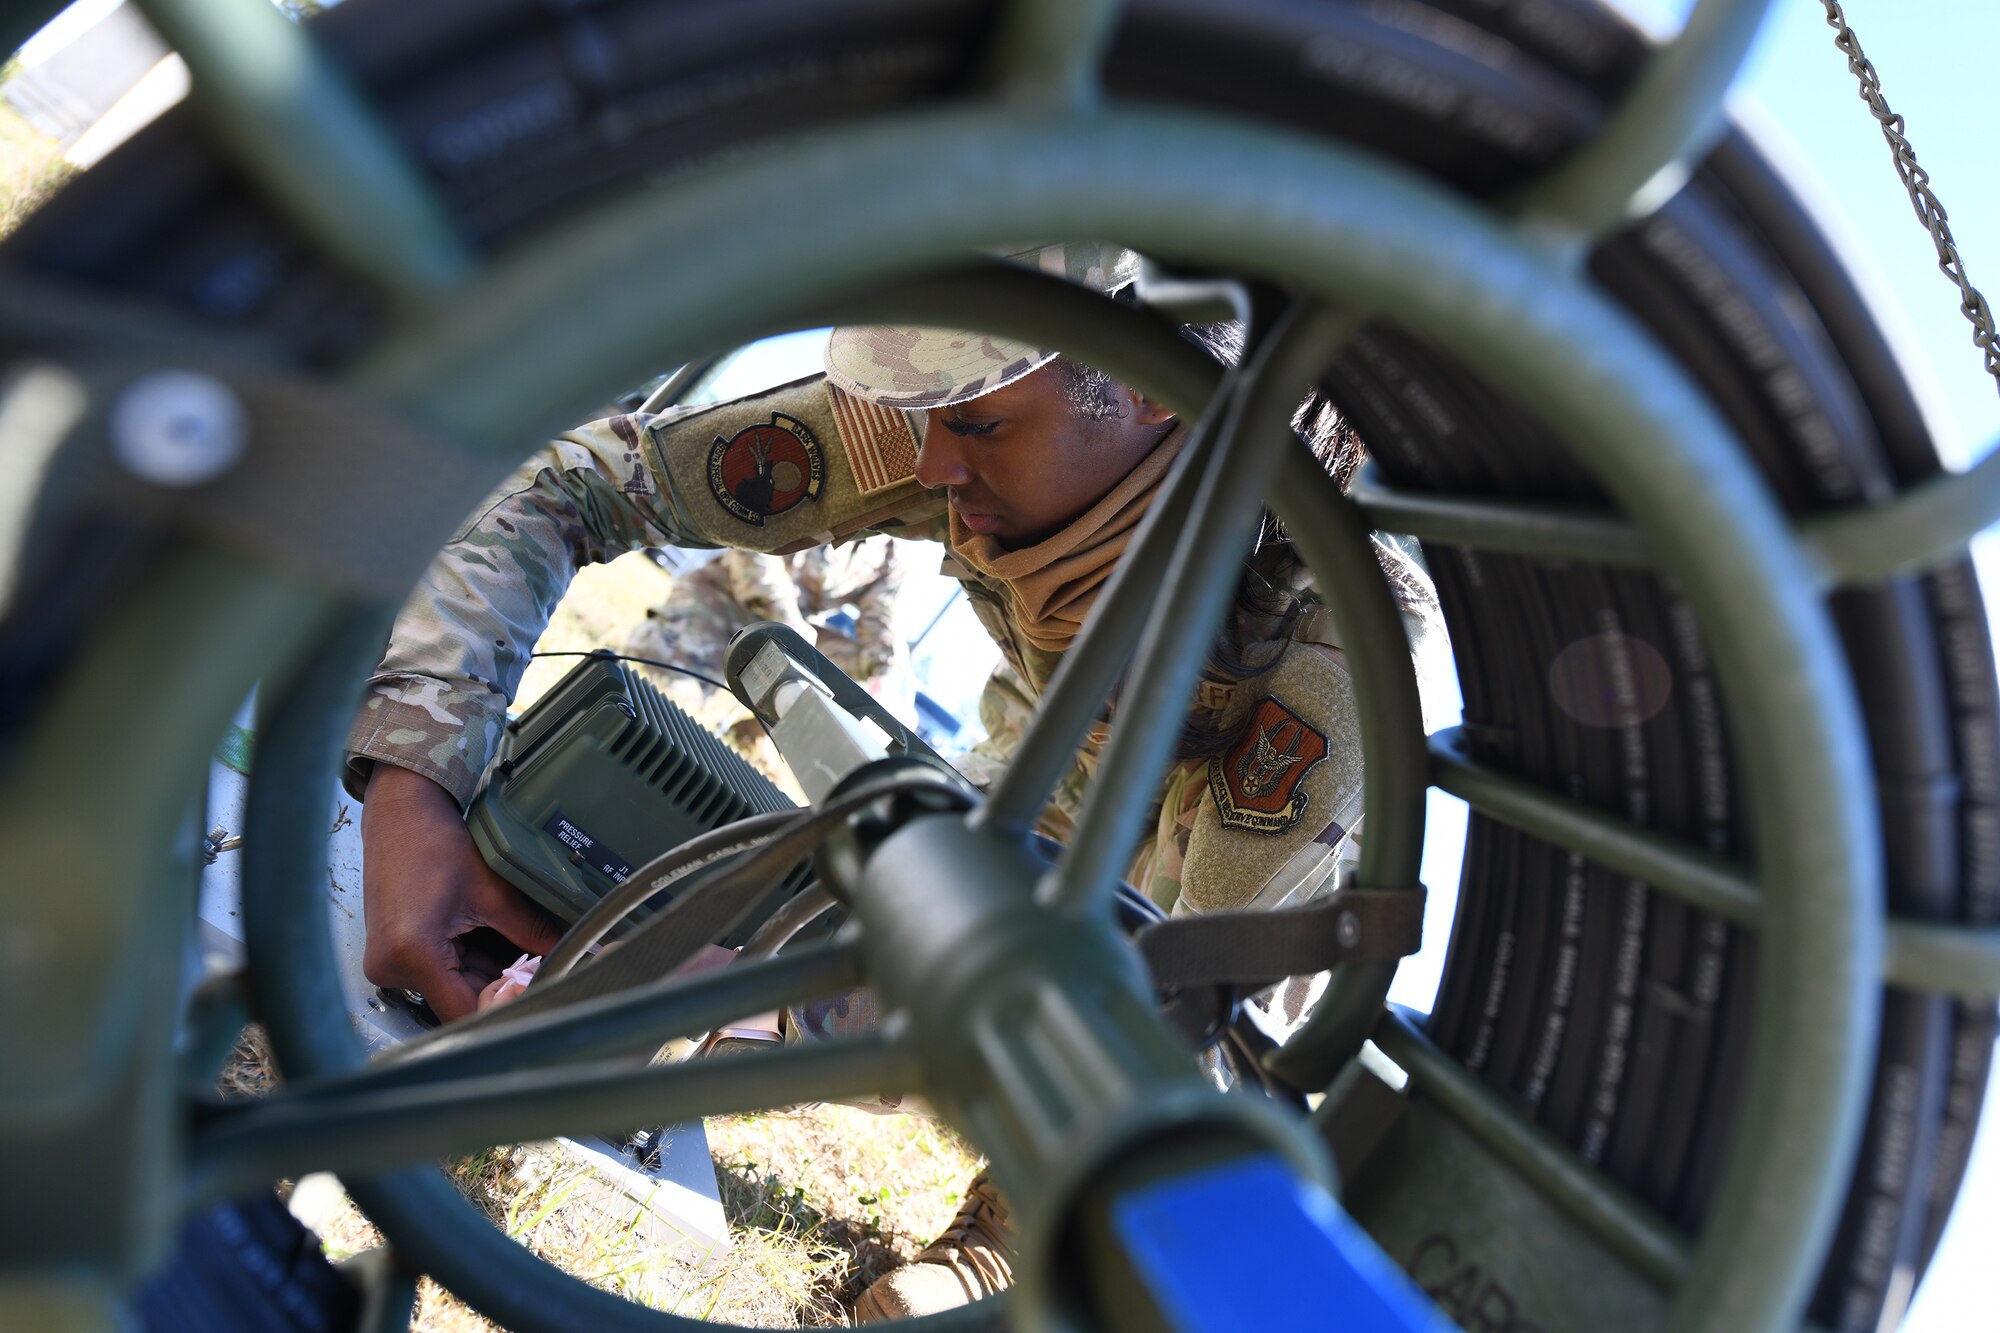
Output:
[[765, 470], [1256, 783]]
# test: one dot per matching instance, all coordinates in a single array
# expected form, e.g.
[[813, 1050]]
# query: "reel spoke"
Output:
[[1918, 955], [302, 131], [369, 1129], [1702, 878], [1050, 50], [1090, 670], [1511, 527], [1668, 119], [1638, 1236], [629, 1022], [1331, 532], [1923, 526]]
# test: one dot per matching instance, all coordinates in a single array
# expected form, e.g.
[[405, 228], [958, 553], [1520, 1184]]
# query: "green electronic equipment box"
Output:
[[602, 775]]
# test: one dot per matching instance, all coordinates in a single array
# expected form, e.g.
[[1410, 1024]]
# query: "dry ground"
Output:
[[819, 1203]]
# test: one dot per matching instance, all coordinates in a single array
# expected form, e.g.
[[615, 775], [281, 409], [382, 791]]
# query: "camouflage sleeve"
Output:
[[1006, 711], [438, 700], [782, 470], [1157, 870], [798, 466]]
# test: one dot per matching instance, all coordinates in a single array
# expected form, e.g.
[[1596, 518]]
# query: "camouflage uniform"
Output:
[[806, 464]]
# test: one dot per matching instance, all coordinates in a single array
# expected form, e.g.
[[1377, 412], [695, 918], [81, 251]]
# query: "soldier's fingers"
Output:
[[402, 956], [453, 1000], [448, 991], [527, 926]]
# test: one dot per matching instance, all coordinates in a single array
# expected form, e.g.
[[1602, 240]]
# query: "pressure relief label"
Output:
[[588, 849]]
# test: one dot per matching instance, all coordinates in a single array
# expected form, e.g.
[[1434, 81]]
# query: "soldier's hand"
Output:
[[425, 886]]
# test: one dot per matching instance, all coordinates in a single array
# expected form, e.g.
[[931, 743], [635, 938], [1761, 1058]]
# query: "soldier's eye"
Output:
[[960, 426]]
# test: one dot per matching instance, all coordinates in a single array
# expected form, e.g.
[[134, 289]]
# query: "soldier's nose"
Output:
[[941, 456]]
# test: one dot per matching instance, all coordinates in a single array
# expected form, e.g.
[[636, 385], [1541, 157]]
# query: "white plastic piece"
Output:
[[786, 695], [874, 729], [178, 428], [823, 742]]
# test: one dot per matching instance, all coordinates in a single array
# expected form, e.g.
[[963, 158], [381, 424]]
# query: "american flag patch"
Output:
[[881, 447]]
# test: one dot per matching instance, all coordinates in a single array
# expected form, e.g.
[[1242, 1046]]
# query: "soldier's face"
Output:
[[1022, 462]]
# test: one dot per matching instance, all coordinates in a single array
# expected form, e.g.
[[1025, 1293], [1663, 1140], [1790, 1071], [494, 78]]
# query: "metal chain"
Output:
[[1918, 182]]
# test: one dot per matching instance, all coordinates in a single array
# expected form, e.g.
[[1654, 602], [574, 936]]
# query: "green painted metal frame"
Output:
[[1335, 236], [891, 153], [348, 1130], [1698, 877], [628, 1023], [1563, 532], [310, 140], [1090, 672], [1663, 123], [1332, 534], [1047, 52], [504, 365], [89, 902], [1630, 1230], [1930, 522]]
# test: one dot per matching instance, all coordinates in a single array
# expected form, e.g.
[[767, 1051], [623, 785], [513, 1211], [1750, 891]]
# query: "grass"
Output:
[[819, 1202], [835, 1197], [31, 168]]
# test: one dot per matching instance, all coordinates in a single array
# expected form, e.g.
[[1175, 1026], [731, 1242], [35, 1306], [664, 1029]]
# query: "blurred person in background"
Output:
[[839, 598]]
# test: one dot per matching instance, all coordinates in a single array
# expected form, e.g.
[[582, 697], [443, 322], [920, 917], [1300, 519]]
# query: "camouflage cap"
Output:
[[905, 366]]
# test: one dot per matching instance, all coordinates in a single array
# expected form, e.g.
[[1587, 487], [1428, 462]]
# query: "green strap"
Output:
[[1256, 948]]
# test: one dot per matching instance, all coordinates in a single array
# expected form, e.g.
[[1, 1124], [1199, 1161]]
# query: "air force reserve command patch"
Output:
[[1256, 781], [761, 471]]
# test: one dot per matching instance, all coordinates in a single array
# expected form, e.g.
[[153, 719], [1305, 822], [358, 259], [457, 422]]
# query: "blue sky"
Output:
[[1935, 59]]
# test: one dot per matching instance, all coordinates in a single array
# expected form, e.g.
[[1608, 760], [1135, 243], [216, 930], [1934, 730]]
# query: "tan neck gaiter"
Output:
[[1053, 584]]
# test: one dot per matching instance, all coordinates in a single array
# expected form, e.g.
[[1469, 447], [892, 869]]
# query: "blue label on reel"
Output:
[[1250, 1246]]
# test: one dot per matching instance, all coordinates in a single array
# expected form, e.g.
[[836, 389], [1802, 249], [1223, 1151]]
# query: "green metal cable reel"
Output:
[[267, 543]]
